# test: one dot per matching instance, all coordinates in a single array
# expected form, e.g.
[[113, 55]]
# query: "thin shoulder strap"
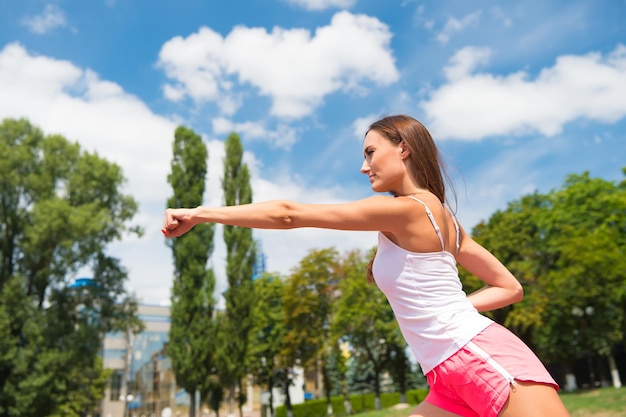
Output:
[[432, 220], [456, 227]]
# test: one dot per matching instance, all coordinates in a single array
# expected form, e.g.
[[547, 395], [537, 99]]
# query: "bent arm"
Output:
[[374, 213], [502, 287]]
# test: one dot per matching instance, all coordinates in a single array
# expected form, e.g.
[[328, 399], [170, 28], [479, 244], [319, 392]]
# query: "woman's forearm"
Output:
[[492, 298], [266, 215]]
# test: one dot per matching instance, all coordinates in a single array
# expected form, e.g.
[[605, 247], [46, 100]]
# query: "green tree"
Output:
[[364, 319], [517, 240], [308, 301], [240, 258], [268, 334], [585, 225], [23, 354], [398, 362], [190, 344], [59, 209], [566, 247]]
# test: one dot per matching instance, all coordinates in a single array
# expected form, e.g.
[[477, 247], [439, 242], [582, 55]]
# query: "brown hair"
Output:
[[427, 166]]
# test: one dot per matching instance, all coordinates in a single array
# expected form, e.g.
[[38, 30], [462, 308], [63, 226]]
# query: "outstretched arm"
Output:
[[374, 213], [502, 287]]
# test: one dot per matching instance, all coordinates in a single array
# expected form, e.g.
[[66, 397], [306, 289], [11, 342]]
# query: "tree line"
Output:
[[61, 206], [568, 248]]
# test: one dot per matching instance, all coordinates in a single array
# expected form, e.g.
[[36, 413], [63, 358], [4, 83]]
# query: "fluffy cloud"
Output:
[[283, 137], [361, 125], [295, 69], [473, 105], [52, 17], [59, 97]]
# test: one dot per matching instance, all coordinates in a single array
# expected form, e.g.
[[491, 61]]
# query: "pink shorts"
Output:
[[476, 380]]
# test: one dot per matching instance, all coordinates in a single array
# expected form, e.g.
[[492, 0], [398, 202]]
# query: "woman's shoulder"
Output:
[[426, 200]]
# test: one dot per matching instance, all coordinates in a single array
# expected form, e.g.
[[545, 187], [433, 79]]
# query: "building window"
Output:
[[114, 354], [116, 385]]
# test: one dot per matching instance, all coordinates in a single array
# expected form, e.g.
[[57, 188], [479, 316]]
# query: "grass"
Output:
[[603, 402]]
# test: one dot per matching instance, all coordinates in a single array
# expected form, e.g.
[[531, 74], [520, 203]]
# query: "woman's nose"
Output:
[[365, 167]]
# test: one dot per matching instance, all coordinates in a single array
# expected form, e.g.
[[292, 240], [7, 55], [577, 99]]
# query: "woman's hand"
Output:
[[178, 222]]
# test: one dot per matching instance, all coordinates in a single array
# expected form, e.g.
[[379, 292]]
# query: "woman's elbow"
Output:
[[285, 215], [518, 293]]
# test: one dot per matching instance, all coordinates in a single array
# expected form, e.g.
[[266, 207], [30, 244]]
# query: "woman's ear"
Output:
[[404, 150]]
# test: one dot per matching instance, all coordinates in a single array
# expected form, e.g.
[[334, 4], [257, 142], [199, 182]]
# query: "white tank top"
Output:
[[427, 298]]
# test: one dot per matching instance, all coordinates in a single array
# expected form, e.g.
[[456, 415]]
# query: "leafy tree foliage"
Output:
[[364, 319], [268, 334], [567, 248], [59, 209], [191, 330], [308, 301], [240, 258]]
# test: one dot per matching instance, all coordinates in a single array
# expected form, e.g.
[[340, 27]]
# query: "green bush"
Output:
[[416, 396], [389, 399], [339, 408], [360, 403]]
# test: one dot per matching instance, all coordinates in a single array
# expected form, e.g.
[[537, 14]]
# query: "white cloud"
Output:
[[454, 25], [52, 17], [465, 61], [476, 105], [361, 125], [322, 4], [290, 66], [283, 137], [59, 97]]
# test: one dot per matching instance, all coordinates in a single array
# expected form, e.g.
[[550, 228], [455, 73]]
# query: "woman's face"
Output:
[[383, 163]]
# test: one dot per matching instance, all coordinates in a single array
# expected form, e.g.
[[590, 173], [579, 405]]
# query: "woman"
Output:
[[474, 366]]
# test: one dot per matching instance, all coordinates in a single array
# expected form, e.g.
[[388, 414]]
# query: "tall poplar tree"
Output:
[[191, 330], [240, 258]]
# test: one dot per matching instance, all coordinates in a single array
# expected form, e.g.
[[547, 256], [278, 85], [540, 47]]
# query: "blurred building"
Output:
[[142, 382]]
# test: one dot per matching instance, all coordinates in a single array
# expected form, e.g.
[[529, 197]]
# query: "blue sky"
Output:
[[517, 95]]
